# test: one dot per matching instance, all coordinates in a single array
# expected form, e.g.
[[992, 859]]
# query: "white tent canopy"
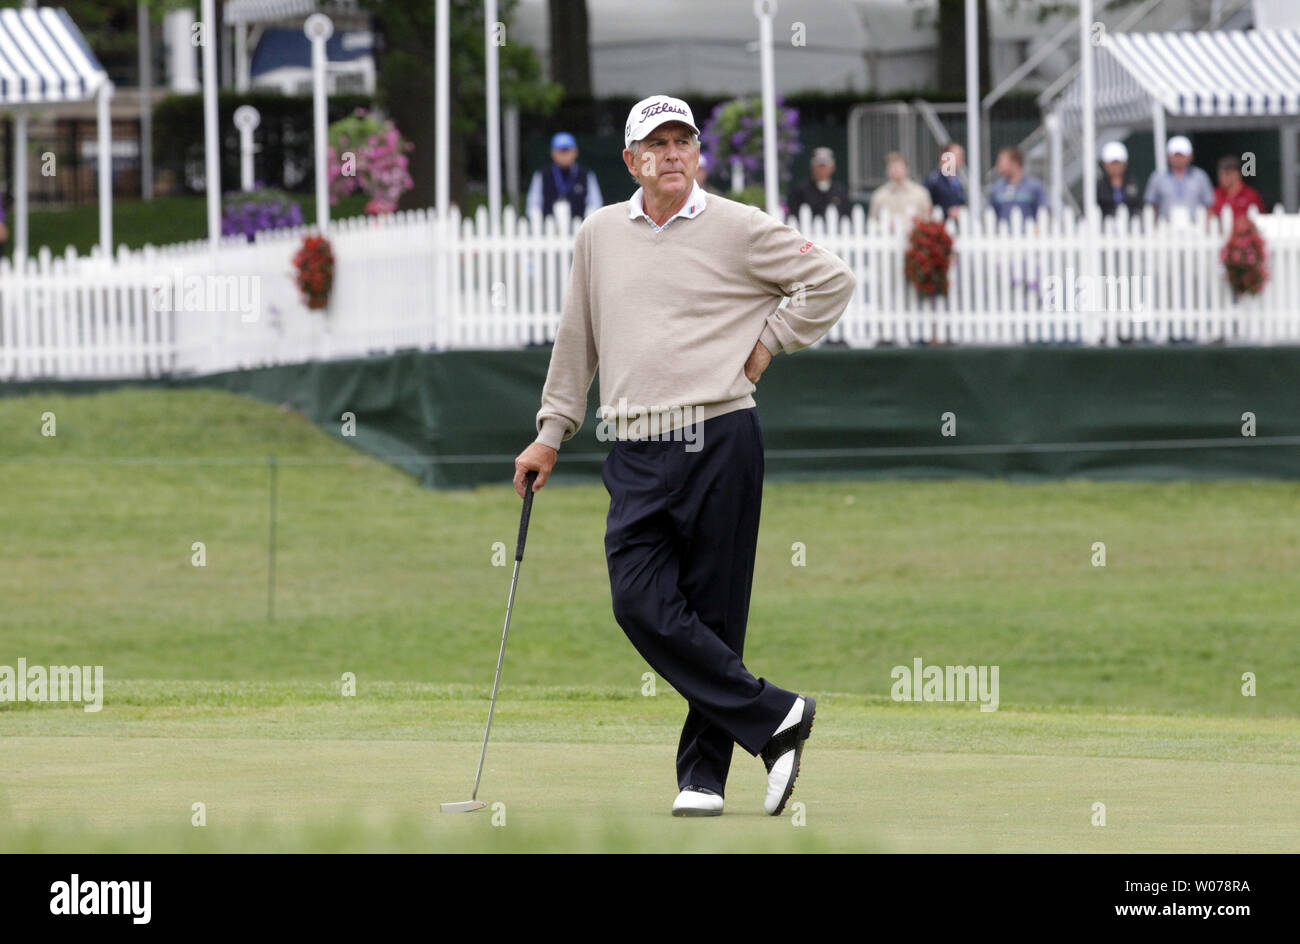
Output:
[[272, 11], [247, 18], [44, 60], [1236, 74], [641, 48]]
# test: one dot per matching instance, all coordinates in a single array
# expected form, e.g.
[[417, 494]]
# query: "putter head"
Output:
[[464, 806]]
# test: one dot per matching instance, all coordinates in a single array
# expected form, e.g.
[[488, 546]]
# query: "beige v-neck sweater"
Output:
[[671, 317]]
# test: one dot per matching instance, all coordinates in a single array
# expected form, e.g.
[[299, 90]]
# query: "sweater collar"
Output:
[[692, 208]]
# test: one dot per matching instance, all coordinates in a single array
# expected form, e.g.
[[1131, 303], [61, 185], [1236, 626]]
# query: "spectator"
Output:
[[1115, 188], [900, 196], [566, 180], [1233, 191], [944, 182], [820, 192], [1014, 189], [1177, 192]]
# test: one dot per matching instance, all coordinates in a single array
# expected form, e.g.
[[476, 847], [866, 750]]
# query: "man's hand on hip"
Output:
[[537, 456], [759, 358]]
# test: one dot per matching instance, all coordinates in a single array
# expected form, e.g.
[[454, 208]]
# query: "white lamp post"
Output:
[[319, 28], [247, 118]]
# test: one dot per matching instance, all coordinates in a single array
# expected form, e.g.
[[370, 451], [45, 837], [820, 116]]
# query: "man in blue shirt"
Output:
[[565, 180], [1013, 189], [944, 182], [1177, 192]]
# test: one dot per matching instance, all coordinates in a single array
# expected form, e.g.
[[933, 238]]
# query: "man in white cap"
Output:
[[820, 192], [1178, 191], [682, 299], [1115, 188]]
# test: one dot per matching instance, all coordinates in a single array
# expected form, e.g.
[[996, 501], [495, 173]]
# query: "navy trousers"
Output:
[[680, 540]]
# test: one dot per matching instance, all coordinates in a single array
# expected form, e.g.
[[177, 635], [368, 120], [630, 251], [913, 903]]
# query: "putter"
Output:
[[474, 803]]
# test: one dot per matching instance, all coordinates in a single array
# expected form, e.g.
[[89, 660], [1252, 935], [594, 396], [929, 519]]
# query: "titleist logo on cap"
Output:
[[661, 107]]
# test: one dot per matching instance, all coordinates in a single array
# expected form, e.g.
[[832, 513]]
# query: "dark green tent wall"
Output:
[[458, 418]]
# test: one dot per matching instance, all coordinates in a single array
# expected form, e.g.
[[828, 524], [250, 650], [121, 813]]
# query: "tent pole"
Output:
[[211, 141], [493, 116], [974, 162], [1089, 144], [241, 57], [1290, 185], [145, 41], [105, 130], [20, 185], [1158, 135], [764, 9], [1053, 122], [1090, 264], [441, 109]]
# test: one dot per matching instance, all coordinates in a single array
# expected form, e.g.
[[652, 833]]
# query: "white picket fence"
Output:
[[411, 281]]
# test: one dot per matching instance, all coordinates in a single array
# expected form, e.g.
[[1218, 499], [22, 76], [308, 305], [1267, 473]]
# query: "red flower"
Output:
[[928, 258], [1245, 258], [315, 264]]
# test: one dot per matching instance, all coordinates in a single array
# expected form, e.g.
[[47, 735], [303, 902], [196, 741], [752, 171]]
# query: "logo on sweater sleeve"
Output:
[[806, 246]]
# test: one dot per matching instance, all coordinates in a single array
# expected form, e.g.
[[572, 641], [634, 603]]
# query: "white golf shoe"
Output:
[[697, 801], [784, 752]]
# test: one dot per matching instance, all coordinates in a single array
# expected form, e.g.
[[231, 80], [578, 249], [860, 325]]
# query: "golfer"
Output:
[[682, 299]]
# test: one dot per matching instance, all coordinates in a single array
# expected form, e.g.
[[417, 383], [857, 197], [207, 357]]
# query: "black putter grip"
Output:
[[529, 479]]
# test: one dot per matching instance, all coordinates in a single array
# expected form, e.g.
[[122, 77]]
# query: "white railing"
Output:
[[409, 281]]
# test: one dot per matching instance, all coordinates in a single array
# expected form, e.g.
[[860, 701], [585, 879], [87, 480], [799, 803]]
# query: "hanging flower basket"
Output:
[[735, 130], [928, 258], [1245, 258], [314, 263], [377, 166]]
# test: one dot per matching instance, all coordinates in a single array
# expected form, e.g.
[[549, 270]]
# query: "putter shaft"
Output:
[[501, 658]]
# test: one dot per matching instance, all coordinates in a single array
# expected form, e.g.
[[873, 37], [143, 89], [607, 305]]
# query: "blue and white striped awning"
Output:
[[1208, 74], [44, 58]]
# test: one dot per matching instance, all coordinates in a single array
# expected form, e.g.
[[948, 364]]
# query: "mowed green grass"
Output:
[[282, 766], [1118, 684]]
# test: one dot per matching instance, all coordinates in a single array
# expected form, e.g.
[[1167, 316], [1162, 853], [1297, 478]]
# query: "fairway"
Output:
[[1120, 684]]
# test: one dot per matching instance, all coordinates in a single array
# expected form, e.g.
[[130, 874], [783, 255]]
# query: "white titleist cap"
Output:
[[1179, 145], [650, 113], [1114, 151]]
